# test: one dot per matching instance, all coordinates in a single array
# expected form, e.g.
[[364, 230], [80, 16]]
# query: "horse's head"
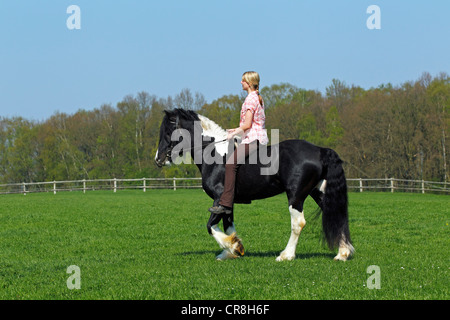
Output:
[[173, 120], [168, 125]]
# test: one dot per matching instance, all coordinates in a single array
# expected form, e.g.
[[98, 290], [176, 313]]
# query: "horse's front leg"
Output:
[[228, 241]]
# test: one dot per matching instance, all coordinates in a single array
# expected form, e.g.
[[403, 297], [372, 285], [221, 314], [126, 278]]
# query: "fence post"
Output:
[[423, 186], [84, 185], [54, 187], [24, 189], [174, 184], [143, 179], [360, 185], [392, 185], [115, 184]]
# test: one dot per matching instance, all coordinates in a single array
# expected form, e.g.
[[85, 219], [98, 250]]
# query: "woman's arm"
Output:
[[243, 127], [248, 121]]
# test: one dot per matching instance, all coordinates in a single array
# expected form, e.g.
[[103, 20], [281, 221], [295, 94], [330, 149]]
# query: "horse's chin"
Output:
[[161, 164]]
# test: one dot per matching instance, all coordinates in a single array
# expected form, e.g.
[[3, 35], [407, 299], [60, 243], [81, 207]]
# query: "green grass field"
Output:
[[154, 245]]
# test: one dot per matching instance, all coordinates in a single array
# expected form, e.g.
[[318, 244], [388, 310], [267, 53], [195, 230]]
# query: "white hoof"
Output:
[[226, 255], [285, 257], [340, 257], [344, 253]]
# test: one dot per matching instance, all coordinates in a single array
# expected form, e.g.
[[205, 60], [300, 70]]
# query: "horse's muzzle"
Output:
[[159, 163], [164, 160]]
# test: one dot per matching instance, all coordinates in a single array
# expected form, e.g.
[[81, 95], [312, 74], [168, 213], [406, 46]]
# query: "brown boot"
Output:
[[220, 209]]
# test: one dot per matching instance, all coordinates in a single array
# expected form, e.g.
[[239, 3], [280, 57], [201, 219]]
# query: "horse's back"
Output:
[[296, 160], [300, 148]]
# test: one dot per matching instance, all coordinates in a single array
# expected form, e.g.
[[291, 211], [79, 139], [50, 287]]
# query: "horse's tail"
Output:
[[335, 205]]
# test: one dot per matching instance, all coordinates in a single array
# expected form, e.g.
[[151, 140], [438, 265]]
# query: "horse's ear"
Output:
[[168, 113], [171, 115]]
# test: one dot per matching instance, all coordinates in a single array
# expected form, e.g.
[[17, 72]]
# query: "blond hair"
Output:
[[252, 78]]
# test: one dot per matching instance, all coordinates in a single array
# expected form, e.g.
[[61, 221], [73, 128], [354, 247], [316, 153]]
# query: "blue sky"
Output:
[[124, 47]]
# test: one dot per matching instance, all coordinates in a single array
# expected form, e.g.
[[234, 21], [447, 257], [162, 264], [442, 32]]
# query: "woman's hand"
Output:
[[234, 132], [231, 134]]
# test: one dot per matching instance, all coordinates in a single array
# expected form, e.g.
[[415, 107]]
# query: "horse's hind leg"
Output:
[[298, 222], [317, 195]]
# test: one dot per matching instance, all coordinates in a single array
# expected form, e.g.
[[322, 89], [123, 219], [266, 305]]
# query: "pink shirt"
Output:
[[258, 129]]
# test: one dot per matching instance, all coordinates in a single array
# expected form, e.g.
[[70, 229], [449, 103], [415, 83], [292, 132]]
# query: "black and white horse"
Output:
[[303, 170]]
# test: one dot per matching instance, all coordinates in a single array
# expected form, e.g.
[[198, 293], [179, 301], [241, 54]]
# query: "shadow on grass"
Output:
[[266, 254], [274, 254], [201, 252]]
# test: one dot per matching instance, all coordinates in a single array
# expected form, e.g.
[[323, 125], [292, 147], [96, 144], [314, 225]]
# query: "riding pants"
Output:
[[236, 159]]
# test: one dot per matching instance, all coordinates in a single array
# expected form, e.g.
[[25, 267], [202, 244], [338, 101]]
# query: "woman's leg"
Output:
[[234, 161]]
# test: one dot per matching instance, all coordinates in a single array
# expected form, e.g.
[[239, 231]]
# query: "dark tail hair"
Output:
[[335, 201]]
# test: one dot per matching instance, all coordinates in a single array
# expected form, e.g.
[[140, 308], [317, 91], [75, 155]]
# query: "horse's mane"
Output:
[[210, 128], [182, 114]]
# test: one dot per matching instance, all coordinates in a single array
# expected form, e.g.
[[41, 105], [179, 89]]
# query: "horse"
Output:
[[304, 169]]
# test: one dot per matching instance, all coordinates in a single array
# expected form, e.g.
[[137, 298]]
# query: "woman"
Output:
[[252, 130]]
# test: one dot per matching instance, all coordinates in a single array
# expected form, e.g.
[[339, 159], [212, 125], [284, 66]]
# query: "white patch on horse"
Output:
[[345, 249], [231, 229], [298, 222], [229, 242], [213, 130], [322, 185]]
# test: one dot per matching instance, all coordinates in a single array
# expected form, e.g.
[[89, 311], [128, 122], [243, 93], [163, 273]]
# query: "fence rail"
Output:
[[392, 185], [101, 184], [358, 185]]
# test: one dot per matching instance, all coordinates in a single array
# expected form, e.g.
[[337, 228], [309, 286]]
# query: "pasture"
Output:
[[154, 245]]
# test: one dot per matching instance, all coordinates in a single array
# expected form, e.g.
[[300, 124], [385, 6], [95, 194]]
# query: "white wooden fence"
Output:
[[358, 185], [403, 185], [101, 184]]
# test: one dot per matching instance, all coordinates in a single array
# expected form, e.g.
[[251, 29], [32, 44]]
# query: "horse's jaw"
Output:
[[163, 163]]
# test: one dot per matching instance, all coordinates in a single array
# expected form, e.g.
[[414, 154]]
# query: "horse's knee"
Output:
[[298, 221], [213, 220], [227, 221], [209, 226]]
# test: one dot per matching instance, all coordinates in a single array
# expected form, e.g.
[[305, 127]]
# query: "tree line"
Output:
[[389, 131]]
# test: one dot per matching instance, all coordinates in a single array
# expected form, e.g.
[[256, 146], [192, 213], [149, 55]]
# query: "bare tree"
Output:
[[184, 99]]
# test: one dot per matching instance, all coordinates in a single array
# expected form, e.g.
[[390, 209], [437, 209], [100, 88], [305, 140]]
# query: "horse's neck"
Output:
[[203, 133], [213, 130]]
